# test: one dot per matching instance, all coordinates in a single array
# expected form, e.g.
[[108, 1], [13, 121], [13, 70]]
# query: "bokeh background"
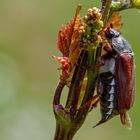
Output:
[[29, 75]]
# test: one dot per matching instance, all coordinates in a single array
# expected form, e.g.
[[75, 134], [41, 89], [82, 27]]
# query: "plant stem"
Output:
[[92, 73], [63, 133], [106, 11], [78, 76], [58, 92], [69, 119], [65, 129]]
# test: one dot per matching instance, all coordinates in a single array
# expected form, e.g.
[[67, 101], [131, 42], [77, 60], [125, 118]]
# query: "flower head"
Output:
[[91, 28]]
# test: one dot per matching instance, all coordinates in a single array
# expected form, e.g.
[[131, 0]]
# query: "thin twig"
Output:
[[106, 11]]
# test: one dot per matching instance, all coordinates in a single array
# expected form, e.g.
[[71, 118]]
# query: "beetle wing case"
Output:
[[125, 80]]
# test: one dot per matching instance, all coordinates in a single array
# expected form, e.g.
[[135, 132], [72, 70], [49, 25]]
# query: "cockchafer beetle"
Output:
[[116, 82]]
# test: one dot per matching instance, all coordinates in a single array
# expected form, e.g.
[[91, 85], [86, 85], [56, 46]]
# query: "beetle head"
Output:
[[111, 33]]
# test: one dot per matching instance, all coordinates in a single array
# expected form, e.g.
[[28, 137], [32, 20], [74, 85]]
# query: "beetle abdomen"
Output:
[[108, 101]]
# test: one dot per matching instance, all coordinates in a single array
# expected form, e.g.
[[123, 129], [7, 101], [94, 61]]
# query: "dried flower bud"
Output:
[[90, 10], [98, 15], [94, 9], [85, 18]]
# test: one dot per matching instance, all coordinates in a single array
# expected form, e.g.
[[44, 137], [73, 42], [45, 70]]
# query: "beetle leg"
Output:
[[107, 47], [96, 66], [93, 102]]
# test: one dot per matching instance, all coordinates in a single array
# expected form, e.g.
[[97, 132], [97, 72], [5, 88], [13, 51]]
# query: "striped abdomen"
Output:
[[108, 102], [107, 91]]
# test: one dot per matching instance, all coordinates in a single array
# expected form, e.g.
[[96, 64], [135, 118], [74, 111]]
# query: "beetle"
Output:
[[116, 80]]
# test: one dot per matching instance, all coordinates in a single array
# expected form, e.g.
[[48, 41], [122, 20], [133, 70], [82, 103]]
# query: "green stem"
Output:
[[118, 6], [63, 133], [106, 11], [92, 74]]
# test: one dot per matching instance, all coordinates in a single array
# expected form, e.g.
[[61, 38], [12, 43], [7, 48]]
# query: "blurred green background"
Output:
[[29, 75]]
